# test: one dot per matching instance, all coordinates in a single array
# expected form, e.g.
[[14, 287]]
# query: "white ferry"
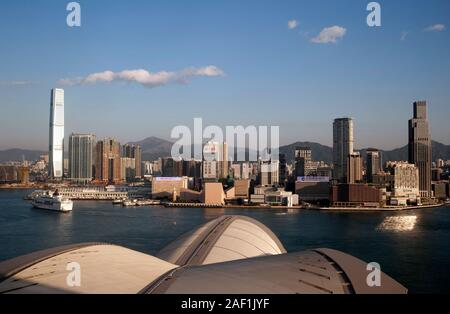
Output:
[[52, 202]]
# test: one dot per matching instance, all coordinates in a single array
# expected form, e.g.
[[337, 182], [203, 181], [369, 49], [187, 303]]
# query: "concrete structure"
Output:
[[228, 255], [81, 157], [168, 187], [342, 147], [405, 189], [419, 146], [212, 194], [107, 165], [242, 188], [56, 135], [355, 168], [373, 163]]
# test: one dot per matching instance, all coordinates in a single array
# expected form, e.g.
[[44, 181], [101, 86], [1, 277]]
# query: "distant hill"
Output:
[[319, 152], [439, 150], [17, 154], [154, 147]]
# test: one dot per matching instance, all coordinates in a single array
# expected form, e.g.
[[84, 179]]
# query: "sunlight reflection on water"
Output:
[[398, 223]]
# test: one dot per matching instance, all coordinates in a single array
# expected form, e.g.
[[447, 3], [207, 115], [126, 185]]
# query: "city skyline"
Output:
[[249, 70]]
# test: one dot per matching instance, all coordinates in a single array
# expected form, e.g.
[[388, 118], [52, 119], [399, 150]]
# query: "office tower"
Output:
[[211, 158], [135, 152], [419, 146], [342, 147], [127, 169], [223, 162], [354, 168], [81, 157], [302, 161], [282, 170], [373, 163], [56, 138], [268, 174], [172, 167], [108, 164]]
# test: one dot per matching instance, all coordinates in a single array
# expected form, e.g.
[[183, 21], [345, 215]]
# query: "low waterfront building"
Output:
[[168, 187], [355, 195], [273, 196], [405, 189], [242, 188], [313, 189]]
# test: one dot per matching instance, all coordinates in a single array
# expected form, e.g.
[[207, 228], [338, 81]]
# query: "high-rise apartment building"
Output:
[[56, 134], [373, 163], [108, 163], [342, 147], [419, 146], [81, 157], [135, 152]]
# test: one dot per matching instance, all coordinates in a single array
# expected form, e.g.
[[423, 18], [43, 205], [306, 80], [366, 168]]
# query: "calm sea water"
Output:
[[411, 246]]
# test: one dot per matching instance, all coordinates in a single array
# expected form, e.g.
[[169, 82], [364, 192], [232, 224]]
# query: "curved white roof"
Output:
[[226, 238]]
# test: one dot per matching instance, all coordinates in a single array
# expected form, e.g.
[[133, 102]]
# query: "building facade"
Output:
[[81, 157], [56, 134], [343, 143], [355, 168], [373, 163], [419, 146], [108, 163]]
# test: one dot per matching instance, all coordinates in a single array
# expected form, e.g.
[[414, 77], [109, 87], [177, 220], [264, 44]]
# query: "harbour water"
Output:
[[411, 246]]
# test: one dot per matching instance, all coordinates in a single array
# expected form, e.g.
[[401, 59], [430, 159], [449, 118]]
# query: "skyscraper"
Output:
[[354, 168], [81, 157], [56, 134], [135, 152], [373, 163], [108, 164], [342, 147], [302, 161], [419, 146], [215, 160]]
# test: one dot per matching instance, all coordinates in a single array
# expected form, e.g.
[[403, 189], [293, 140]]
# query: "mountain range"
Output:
[[154, 147]]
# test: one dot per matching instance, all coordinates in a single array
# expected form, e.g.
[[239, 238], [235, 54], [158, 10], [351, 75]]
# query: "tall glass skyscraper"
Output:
[[342, 147], [56, 137], [419, 146]]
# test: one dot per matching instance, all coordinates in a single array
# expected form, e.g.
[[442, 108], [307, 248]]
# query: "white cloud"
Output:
[[329, 35], [144, 77], [435, 28], [293, 24], [403, 36]]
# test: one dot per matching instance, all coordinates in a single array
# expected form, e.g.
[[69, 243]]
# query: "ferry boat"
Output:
[[53, 202]]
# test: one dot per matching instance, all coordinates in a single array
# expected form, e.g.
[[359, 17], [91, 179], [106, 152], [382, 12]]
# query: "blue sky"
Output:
[[273, 75]]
